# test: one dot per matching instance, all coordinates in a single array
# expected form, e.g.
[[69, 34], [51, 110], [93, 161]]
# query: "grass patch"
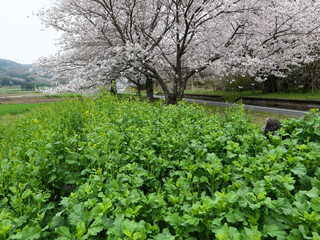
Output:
[[64, 95], [256, 118], [231, 96], [16, 91], [301, 96], [18, 108]]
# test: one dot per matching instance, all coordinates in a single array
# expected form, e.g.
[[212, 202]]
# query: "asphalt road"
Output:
[[288, 112]]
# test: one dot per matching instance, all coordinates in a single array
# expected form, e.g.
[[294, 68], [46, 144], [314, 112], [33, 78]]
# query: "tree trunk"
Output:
[[139, 88], [172, 99], [271, 84], [252, 89], [149, 89], [312, 84], [253, 86]]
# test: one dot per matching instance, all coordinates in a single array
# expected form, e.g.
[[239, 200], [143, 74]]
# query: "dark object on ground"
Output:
[[271, 126], [113, 90]]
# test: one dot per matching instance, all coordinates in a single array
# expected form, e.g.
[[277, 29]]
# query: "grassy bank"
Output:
[[231, 96], [256, 118]]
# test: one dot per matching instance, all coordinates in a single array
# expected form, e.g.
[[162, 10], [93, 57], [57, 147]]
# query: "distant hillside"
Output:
[[13, 67], [13, 73]]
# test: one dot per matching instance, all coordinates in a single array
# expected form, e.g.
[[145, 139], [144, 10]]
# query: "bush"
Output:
[[109, 168], [28, 86]]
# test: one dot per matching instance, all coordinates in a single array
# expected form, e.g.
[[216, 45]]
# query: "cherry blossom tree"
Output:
[[276, 36], [101, 41], [171, 41]]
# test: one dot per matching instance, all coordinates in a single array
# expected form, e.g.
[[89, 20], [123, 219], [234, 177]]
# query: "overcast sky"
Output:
[[22, 37]]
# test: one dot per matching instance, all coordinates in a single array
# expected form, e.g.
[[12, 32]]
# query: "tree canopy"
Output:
[[171, 41]]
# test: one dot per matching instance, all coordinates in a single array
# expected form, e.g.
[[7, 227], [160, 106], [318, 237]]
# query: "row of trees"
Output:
[[172, 41]]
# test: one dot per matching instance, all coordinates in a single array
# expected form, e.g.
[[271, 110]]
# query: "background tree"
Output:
[[304, 78], [170, 41]]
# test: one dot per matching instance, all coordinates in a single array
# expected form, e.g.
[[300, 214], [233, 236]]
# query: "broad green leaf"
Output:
[[138, 236], [81, 229], [283, 205], [116, 230], [107, 222], [5, 226], [274, 231], [190, 220], [28, 233], [134, 196], [78, 214], [26, 193], [57, 221], [64, 233], [252, 234], [300, 170], [235, 216], [227, 232], [13, 190], [316, 236], [315, 204], [173, 219], [95, 228], [303, 230], [314, 192], [129, 227], [295, 235], [20, 220], [165, 235]]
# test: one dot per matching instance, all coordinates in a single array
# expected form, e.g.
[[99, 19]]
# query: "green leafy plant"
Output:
[[118, 168]]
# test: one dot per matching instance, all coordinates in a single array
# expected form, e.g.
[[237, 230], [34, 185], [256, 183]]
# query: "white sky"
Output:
[[22, 37]]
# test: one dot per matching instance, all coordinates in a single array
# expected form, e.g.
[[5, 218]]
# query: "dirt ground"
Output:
[[21, 100]]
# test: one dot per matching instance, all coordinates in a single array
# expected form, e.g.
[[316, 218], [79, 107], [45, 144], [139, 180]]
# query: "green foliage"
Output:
[[109, 168]]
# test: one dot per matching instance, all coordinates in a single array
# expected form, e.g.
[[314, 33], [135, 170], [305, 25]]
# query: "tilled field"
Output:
[[22, 100]]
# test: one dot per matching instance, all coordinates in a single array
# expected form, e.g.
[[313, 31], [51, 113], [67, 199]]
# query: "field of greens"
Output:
[[117, 168]]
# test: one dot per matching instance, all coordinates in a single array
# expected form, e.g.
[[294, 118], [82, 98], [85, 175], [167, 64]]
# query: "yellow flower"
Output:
[[35, 121], [87, 113]]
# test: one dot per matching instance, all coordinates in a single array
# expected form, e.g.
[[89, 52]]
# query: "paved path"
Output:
[[288, 112]]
